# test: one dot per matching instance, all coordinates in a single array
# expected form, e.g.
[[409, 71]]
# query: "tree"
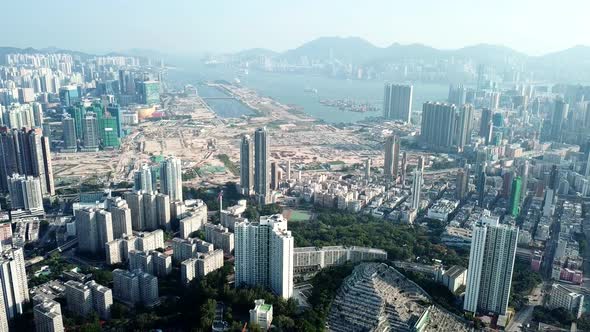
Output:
[[207, 313], [283, 323]]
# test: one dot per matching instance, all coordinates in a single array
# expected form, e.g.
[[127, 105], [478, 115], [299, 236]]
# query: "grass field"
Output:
[[296, 215]]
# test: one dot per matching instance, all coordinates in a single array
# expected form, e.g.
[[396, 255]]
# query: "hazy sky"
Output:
[[190, 26]]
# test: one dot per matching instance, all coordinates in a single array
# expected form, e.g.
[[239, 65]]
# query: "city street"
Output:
[[524, 316]]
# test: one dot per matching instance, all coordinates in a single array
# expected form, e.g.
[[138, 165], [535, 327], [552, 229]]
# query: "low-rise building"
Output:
[[220, 237], [201, 265], [453, 278], [135, 287], [310, 259], [561, 297], [183, 249], [193, 218], [261, 315]]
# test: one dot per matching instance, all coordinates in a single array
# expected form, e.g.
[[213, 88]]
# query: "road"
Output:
[[526, 314]]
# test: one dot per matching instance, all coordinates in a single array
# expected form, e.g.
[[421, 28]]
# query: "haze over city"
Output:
[[298, 166], [189, 27]]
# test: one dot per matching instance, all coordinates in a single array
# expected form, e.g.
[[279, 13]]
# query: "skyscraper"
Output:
[[491, 263], [463, 128], [94, 228], [121, 217], [462, 183], [143, 180], [109, 136], [78, 113], [90, 131], [416, 189], [69, 134], [26, 152], [135, 202], [13, 278], [457, 95], [391, 158], [404, 167], [115, 112], [25, 193], [557, 120], [37, 114], [516, 191], [264, 255], [524, 175], [368, 169], [48, 317], [68, 95], [171, 178], [397, 103], [485, 127], [261, 183], [481, 186], [438, 124], [275, 175], [246, 165], [494, 100], [149, 92]]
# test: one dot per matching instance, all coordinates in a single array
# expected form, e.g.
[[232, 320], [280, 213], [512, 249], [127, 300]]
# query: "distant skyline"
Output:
[[191, 27]]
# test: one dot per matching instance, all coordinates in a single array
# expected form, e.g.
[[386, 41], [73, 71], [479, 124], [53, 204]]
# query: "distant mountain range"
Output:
[[359, 51], [572, 64]]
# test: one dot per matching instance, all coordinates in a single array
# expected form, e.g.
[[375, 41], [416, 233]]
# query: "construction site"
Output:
[[208, 144]]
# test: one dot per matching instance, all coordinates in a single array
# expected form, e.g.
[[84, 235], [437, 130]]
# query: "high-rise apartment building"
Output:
[[491, 263], [261, 170], [135, 287], [79, 298], [397, 103], [524, 175], [13, 278], [26, 152], [275, 175], [134, 200], [91, 138], [69, 135], [247, 165], [220, 237], [457, 95], [560, 113], [463, 127], [404, 166], [515, 192], [171, 178], [462, 183], [48, 317], [486, 125], [94, 229], [416, 189], [25, 193], [264, 255], [144, 180], [391, 162], [121, 216], [439, 121]]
